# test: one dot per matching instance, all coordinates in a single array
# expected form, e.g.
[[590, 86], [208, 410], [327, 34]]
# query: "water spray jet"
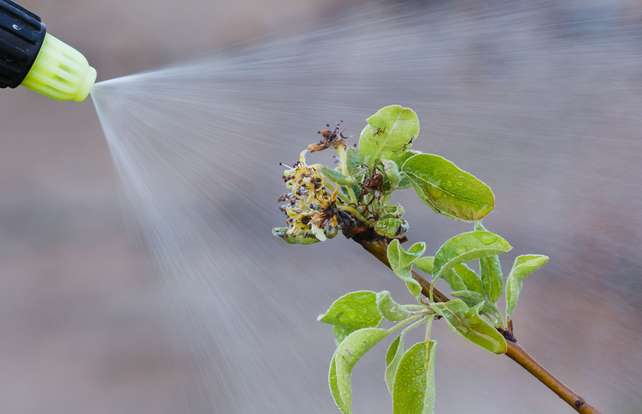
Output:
[[37, 60]]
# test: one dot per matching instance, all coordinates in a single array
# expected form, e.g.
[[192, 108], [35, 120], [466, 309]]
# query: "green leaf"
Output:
[[405, 181], [425, 264], [447, 189], [336, 176], [483, 308], [391, 227], [523, 267], [470, 297], [391, 174], [340, 332], [492, 277], [401, 262], [400, 258], [460, 277], [401, 157], [414, 384], [352, 311], [454, 281], [390, 309], [334, 387], [491, 313], [390, 131], [465, 247], [345, 358], [354, 162], [467, 322], [393, 210], [468, 277], [393, 356], [488, 311]]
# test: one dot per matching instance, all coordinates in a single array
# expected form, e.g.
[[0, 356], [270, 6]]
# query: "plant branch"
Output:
[[378, 248], [523, 358]]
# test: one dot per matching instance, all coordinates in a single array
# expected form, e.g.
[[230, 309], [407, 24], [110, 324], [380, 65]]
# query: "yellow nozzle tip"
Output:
[[87, 85], [60, 72]]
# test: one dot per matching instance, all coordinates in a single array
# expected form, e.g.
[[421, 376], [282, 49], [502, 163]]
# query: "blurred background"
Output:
[[541, 99]]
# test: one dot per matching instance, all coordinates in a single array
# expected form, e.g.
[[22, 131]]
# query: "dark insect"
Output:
[[329, 138], [373, 183]]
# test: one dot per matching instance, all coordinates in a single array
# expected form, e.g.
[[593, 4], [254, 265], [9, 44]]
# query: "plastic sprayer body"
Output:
[[31, 57]]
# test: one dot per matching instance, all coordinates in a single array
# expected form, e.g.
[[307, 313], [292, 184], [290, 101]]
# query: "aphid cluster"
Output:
[[373, 182], [329, 138]]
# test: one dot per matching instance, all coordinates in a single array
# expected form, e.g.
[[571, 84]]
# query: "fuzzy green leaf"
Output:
[[414, 384], [468, 246], [400, 258], [491, 313], [393, 210], [389, 131], [334, 387], [354, 162], [484, 308], [336, 176], [447, 189], [352, 311], [467, 322], [391, 227], [471, 298], [492, 277], [401, 157], [523, 267], [405, 181], [390, 309], [401, 262], [468, 277], [460, 277], [392, 176], [345, 358], [393, 356], [425, 264], [453, 279]]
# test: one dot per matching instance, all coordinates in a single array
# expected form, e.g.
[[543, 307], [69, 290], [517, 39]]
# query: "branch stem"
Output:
[[378, 248], [523, 358]]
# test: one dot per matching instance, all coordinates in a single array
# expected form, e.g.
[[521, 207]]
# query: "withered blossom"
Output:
[[310, 206]]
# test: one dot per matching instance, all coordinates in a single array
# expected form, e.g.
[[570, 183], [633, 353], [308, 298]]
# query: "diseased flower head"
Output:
[[310, 206]]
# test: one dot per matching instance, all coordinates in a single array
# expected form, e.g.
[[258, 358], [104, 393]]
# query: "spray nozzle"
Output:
[[31, 57], [60, 72]]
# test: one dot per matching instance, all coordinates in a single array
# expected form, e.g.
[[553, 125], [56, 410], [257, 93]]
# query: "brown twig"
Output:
[[519, 355], [378, 248]]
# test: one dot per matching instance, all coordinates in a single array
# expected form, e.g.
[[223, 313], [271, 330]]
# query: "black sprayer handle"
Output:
[[21, 36]]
